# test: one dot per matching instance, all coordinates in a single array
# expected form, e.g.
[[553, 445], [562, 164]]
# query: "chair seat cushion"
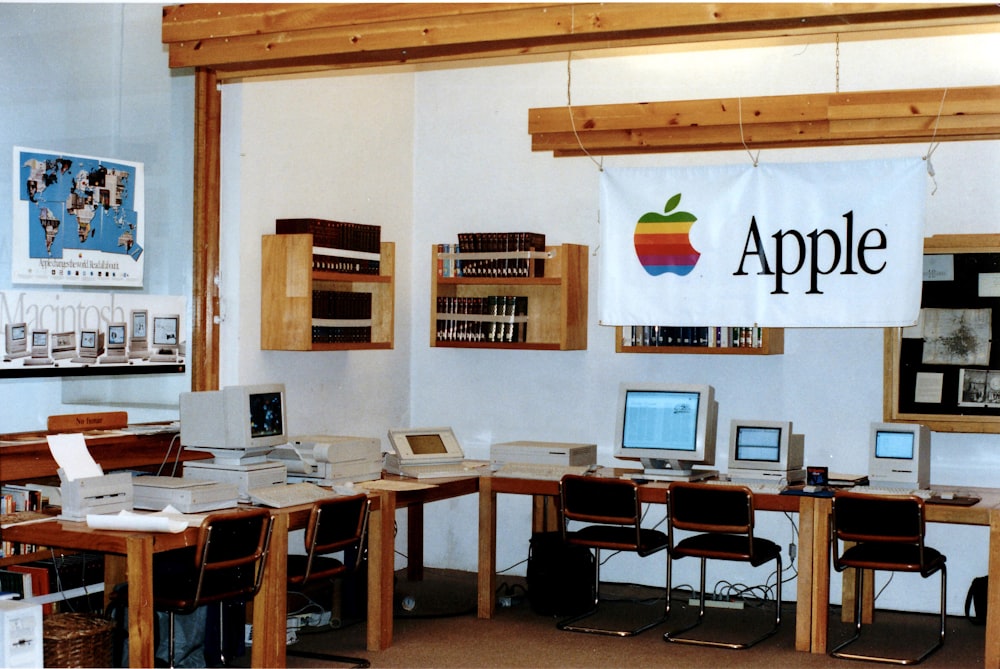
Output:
[[323, 567], [618, 538], [891, 557], [175, 582], [727, 547]]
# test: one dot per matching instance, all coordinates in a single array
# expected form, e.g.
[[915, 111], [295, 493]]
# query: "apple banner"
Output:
[[777, 245]]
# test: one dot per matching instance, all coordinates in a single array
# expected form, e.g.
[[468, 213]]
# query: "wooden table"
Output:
[[985, 513], [544, 518], [128, 558]]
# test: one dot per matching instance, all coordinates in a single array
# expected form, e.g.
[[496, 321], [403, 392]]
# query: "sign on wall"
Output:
[[778, 245], [77, 220]]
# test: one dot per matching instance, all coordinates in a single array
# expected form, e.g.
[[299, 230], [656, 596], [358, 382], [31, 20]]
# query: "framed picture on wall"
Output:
[[944, 372]]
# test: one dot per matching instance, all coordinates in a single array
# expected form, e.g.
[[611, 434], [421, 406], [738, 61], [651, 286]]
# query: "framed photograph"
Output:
[[943, 372]]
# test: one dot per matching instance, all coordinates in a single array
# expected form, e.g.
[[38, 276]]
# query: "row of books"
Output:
[[59, 574], [494, 319], [341, 304], [504, 247], [338, 334], [18, 503], [354, 248], [669, 335]]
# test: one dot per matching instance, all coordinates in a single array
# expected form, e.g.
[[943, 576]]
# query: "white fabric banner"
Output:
[[777, 245]]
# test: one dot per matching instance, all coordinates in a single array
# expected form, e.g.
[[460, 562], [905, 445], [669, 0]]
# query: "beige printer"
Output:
[[331, 459]]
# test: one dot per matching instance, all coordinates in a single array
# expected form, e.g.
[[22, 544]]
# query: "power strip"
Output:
[[718, 603]]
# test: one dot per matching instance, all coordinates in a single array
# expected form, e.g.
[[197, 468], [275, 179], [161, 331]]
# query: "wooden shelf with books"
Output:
[[716, 340], [307, 309], [546, 311]]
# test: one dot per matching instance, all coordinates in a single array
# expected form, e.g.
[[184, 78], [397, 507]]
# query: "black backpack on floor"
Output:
[[560, 577]]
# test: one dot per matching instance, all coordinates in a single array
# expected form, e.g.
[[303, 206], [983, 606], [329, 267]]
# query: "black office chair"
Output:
[[336, 524], [612, 513], [883, 533], [226, 564], [722, 516]]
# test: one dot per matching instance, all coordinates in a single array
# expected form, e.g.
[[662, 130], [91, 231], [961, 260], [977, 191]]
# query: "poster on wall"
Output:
[[77, 220], [70, 333]]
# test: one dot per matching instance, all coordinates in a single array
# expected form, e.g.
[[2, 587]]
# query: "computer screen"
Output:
[[251, 417], [166, 330], [89, 342], [63, 344], [425, 445], [116, 336], [138, 318], [40, 342], [762, 447], [899, 453], [669, 428]]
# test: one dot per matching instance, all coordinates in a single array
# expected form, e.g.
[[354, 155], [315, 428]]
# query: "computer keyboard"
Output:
[[758, 487], [533, 470], [877, 490], [444, 470], [280, 496]]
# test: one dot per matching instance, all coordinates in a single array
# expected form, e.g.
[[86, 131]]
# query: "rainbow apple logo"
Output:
[[662, 242]]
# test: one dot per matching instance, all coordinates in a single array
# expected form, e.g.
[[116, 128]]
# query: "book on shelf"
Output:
[[504, 246], [16, 582], [338, 246], [39, 581], [652, 336], [490, 319]]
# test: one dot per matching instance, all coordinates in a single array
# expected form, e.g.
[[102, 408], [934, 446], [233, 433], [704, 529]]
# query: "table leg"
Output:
[[415, 542], [820, 569], [142, 617], [992, 659], [381, 562], [487, 547], [270, 606], [804, 591]]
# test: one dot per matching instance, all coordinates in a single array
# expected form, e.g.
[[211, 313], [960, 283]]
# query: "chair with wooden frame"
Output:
[[722, 520], [225, 564], [336, 525], [610, 512], [875, 532]]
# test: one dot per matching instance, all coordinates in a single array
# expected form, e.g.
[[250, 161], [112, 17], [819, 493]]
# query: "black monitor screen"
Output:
[[265, 415], [659, 419], [894, 445]]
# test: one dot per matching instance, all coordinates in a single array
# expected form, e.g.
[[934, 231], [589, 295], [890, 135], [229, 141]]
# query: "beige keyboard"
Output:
[[755, 486], [292, 494], [532, 470], [878, 490], [464, 468]]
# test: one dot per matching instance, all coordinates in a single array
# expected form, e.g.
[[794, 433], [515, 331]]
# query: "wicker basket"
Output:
[[77, 640]]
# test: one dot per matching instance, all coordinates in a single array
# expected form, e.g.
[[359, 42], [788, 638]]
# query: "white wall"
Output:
[[93, 80]]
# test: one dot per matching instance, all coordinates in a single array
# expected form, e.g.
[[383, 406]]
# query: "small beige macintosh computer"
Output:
[[428, 452], [39, 348]]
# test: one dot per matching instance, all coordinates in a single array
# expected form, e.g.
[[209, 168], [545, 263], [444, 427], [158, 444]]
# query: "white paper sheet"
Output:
[[71, 454], [141, 522]]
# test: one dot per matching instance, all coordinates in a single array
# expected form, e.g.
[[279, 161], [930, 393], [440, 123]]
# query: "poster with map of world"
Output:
[[77, 220]]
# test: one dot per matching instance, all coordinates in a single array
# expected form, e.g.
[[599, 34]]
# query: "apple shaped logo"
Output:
[[662, 243]]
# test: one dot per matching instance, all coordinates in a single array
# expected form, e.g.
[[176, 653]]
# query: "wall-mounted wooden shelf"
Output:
[[762, 341], [557, 302], [287, 284]]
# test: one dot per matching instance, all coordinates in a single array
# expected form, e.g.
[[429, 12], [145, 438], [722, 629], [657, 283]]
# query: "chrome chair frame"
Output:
[[723, 519], [883, 533], [612, 512]]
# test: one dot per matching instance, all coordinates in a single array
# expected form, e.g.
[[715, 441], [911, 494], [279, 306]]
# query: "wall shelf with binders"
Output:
[[758, 341], [556, 318], [287, 285]]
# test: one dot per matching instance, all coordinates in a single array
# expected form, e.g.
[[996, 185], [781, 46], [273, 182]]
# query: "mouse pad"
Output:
[[955, 501]]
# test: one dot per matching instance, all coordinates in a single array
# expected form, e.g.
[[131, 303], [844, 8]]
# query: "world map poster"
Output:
[[77, 220]]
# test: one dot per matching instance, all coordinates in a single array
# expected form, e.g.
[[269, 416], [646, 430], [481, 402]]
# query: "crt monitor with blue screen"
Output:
[[669, 428], [899, 455]]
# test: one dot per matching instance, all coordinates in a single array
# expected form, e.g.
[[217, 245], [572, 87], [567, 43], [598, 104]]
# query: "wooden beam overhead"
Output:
[[824, 119], [244, 40]]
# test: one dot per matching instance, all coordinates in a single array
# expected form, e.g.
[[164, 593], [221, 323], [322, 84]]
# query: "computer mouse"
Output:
[[947, 495]]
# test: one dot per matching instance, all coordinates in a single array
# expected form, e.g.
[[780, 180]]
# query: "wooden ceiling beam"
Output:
[[242, 40], [822, 119]]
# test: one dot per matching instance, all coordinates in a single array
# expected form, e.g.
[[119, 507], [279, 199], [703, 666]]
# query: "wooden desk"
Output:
[[544, 519], [985, 513], [25, 455], [128, 557]]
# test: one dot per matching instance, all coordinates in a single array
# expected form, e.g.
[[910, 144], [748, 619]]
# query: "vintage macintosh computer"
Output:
[[115, 353], [16, 341], [138, 346], [39, 348], [166, 338], [899, 456], [239, 426], [91, 347], [428, 452], [63, 345], [762, 451], [669, 428]]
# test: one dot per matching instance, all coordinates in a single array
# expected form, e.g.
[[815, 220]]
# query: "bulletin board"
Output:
[[944, 372]]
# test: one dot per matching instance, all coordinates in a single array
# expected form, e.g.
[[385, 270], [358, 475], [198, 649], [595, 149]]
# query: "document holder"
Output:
[[107, 493]]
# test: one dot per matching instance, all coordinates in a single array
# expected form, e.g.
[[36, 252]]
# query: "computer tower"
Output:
[[20, 634]]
